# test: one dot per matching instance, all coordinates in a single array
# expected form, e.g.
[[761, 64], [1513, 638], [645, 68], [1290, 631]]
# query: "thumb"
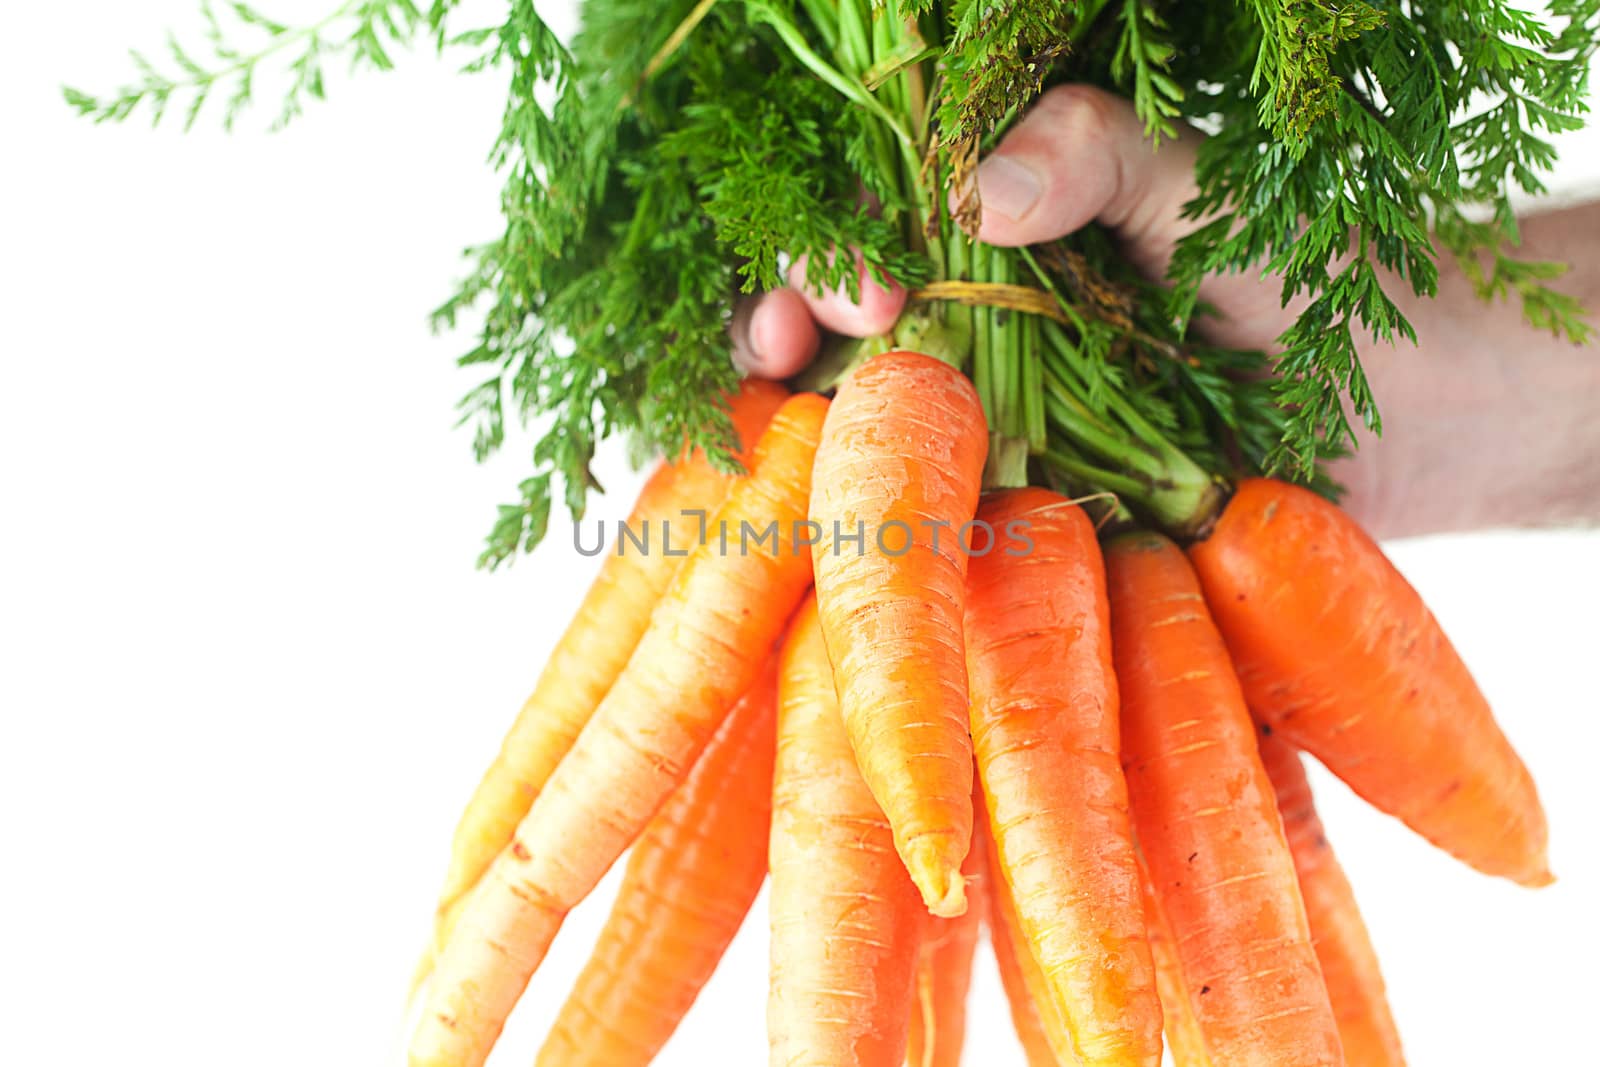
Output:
[[1079, 155]]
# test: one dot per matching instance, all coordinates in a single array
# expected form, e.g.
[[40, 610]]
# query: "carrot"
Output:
[[1207, 823], [1043, 1036], [691, 878], [1045, 731], [943, 979], [1184, 1039], [900, 462], [704, 647], [589, 657], [1349, 964], [1340, 656], [845, 916]]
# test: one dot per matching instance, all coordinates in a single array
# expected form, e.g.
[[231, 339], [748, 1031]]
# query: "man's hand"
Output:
[[1489, 422]]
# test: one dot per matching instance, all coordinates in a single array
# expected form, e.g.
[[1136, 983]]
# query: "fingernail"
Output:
[[746, 356], [1007, 188], [760, 337]]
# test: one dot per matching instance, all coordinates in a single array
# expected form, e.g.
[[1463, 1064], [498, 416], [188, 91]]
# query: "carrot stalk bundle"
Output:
[[691, 878], [1043, 1037], [1045, 731], [1207, 822], [1340, 656], [845, 916], [943, 978], [1349, 964], [588, 658], [899, 466], [704, 647]]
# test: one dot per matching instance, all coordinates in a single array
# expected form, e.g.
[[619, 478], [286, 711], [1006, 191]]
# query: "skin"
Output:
[[1489, 422]]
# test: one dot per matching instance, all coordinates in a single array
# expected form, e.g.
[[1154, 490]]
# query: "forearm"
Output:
[[1487, 422]]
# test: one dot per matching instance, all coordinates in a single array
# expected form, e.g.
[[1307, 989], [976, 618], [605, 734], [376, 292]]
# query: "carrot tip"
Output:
[[1538, 881], [943, 889]]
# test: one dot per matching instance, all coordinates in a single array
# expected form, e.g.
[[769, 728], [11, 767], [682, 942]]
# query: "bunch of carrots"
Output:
[[1092, 747]]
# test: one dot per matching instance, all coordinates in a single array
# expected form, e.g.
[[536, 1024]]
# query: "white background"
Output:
[[249, 675]]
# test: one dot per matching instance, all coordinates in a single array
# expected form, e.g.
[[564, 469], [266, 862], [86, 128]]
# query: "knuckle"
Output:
[[1082, 113]]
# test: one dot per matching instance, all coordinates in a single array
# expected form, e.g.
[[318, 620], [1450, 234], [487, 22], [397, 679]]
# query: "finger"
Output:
[[773, 334], [1081, 154], [876, 312]]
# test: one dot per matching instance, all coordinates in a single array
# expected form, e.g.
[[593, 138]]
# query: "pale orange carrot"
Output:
[[943, 978], [591, 654], [1044, 1038], [705, 645], [1184, 1039], [845, 916], [1340, 655], [691, 878], [1046, 735], [1349, 963], [901, 458], [1207, 822]]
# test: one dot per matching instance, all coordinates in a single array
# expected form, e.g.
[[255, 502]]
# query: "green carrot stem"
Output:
[[1173, 489], [1089, 474]]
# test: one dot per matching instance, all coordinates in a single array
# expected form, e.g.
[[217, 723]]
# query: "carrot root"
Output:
[[691, 878], [1207, 821], [1046, 735], [845, 921], [900, 462], [1349, 964], [705, 646], [1338, 653]]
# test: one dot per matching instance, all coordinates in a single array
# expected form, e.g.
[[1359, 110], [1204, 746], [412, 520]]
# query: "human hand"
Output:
[[1079, 155], [1484, 427]]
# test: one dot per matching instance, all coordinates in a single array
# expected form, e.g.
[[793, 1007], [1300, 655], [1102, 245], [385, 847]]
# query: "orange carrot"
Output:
[[691, 878], [845, 919], [1340, 656], [590, 655], [704, 647], [1043, 1036], [1045, 731], [1349, 964], [900, 462], [1184, 1038], [1207, 823], [943, 978]]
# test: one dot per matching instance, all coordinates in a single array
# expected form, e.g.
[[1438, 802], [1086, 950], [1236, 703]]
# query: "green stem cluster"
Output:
[[1021, 364], [676, 151]]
